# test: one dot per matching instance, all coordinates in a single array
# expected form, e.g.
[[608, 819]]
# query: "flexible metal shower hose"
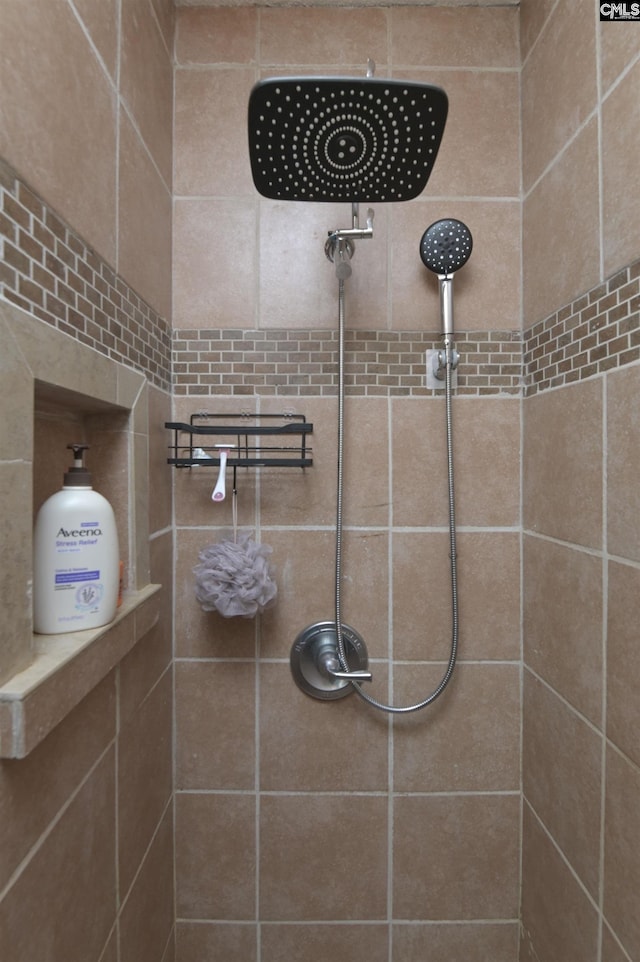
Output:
[[392, 709]]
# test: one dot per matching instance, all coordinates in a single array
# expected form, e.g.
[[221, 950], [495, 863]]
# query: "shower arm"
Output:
[[355, 231]]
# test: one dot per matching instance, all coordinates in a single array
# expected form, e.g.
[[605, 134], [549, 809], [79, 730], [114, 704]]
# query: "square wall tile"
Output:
[[488, 569], [621, 143], [34, 789], [215, 35], [298, 286], [318, 35], [146, 81], [455, 37], [196, 941], [147, 917], [101, 21], [558, 87], [300, 735], [144, 777], [215, 856], [416, 942], [563, 643], [215, 725], [563, 464], [292, 497], [46, 108], [622, 851], [159, 505], [71, 877], [486, 454], [144, 222], [316, 943], [466, 741], [305, 563], [211, 155], [211, 238], [623, 659], [562, 772], [623, 462], [15, 494], [480, 151], [308, 497], [533, 15], [617, 50], [313, 863], [562, 206], [456, 857], [559, 919]]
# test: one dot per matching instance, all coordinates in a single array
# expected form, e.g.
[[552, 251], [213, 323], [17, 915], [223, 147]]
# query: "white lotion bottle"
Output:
[[76, 560]]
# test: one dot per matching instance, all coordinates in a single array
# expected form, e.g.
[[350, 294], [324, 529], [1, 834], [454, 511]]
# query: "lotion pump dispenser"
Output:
[[76, 556]]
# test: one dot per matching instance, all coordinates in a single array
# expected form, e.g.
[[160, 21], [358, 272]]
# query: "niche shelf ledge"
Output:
[[65, 668]]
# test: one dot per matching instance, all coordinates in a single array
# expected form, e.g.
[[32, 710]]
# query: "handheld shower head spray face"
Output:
[[446, 246]]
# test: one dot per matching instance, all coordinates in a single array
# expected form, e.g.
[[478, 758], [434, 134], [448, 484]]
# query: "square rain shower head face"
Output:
[[344, 139]]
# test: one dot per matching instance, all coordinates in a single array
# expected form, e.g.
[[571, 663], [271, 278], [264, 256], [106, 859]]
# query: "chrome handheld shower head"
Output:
[[446, 247]]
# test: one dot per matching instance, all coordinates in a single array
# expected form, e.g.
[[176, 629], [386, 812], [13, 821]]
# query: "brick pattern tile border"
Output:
[[305, 363], [597, 332], [48, 270]]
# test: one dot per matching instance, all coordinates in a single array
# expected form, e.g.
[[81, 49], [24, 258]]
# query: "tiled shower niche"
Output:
[[43, 677]]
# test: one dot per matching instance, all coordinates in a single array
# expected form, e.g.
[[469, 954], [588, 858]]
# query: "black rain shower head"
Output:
[[344, 139], [446, 246]]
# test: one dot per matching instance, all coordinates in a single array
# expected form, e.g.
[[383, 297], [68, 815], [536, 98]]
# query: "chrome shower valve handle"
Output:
[[329, 664]]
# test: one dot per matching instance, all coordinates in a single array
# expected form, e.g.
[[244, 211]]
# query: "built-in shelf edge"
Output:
[[65, 668]]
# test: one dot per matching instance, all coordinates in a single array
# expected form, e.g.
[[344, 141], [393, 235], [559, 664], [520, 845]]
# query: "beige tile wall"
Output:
[[92, 806], [303, 827], [86, 819], [339, 853], [225, 233], [91, 131], [580, 461]]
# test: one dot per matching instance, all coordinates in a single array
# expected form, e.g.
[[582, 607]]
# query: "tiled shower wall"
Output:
[[581, 509], [307, 829], [285, 816], [86, 819]]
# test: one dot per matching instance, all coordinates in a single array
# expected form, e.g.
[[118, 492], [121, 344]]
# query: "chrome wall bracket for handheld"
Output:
[[436, 367], [315, 663]]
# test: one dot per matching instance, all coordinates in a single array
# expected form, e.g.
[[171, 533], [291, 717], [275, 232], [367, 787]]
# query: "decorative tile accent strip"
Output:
[[305, 362], [48, 270], [597, 332]]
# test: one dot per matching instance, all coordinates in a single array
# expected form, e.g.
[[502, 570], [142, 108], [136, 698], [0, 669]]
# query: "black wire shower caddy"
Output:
[[246, 450]]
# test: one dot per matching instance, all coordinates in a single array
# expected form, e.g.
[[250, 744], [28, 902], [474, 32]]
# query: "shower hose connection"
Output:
[[342, 655]]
